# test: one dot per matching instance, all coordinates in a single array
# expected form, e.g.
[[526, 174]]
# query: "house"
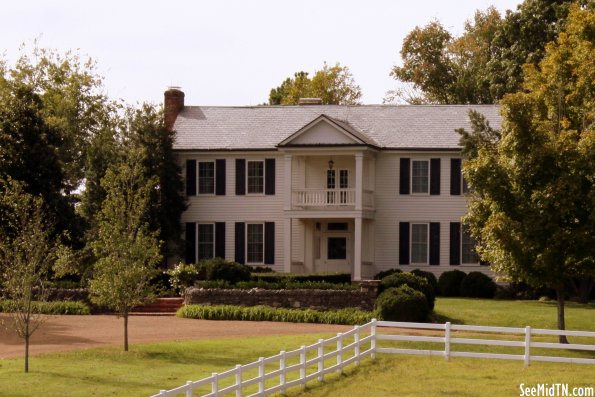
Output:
[[325, 188]]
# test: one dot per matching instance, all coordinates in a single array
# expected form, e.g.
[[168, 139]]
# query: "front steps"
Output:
[[159, 307]]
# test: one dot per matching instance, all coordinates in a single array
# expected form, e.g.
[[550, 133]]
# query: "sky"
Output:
[[228, 52]]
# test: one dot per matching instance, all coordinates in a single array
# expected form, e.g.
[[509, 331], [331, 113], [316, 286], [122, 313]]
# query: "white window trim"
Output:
[[263, 177], [427, 262], [198, 241], [263, 243], [426, 160], [198, 193], [462, 262]]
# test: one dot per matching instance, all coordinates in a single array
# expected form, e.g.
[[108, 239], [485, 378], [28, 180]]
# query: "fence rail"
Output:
[[334, 354]]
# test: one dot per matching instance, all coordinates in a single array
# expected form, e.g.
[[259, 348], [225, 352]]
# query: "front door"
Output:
[[337, 193], [333, 247]]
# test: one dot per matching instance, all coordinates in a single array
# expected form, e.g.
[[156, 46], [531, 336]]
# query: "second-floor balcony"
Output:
[[329, 198]]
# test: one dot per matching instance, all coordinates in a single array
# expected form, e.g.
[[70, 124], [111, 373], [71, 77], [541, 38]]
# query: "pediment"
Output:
[[325, 131]]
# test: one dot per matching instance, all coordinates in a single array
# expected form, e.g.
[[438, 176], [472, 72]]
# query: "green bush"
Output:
[[266, 313], [449, 283], [334, 278], [261, 269], [402, 304], [162, 285], [396, 280], [56, 307], [383, 274], [281, 284], [430, 278], [182, 276], [221, 269], [478, 285]]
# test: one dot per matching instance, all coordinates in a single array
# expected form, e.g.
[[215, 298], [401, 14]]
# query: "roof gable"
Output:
[[326, 131]]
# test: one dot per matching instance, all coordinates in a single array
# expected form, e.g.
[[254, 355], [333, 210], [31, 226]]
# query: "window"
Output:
[[206, 177], [255, 242], [255, 177], [343, 184], [465, 185], [330, 184], [337, 248], [419, 243], [206, 241], [420, 176], [468, 243]]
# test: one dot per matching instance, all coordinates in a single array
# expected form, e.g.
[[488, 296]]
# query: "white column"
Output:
[[359, 180], [287, 182], [287, 246], [357, 248]]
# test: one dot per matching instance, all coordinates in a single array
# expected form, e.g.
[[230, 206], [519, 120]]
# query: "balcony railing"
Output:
[[323, 197]]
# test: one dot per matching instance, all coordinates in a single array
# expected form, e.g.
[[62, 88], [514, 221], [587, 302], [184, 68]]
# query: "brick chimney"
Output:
[[173, 103]]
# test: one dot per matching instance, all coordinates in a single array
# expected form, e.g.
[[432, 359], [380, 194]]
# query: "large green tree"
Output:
[[333, 84], [485, 62], [533, 204], [126, 248]]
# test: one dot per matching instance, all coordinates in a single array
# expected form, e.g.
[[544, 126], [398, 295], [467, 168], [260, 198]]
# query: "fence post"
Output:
[[282, 365], [239, 380], [189, 392], [340, 352], [215, 384], [320, 359], [303, 365], [447, 341], [356, 347], [527, 345], [261, 375], [373, 339]]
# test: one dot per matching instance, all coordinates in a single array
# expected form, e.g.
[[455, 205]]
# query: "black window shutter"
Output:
[[240, 240], [220, 239], [269, 172], [403, 243], [404, 176], [434, 176], [220, 177], [190, 242], [455, 177], [191, 177], [455, 243], [240, 177], [434, 243], [269, 243]]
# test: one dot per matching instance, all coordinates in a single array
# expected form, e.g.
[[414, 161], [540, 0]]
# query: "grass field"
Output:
[[147, 368]]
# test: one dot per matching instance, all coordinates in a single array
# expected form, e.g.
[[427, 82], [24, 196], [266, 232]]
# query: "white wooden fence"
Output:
[[297, 367]]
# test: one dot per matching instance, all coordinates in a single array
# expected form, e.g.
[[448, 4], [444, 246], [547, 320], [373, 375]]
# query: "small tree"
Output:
[[127, 251], [27, 251]]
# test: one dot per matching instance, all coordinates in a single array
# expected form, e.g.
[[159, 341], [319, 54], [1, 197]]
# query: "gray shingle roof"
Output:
[[264, 127]]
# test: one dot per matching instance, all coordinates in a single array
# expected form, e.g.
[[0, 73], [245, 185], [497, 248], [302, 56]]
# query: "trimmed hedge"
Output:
[[430, 278], [449, 283], [56, 307], [383, 274], [221, 269], [334, 278], [266, 313], [418, 283], [402, 304], [478, 285], [281, 284]]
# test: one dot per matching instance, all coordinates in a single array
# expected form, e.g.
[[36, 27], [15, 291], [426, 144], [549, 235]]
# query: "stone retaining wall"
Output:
[[291, 299]]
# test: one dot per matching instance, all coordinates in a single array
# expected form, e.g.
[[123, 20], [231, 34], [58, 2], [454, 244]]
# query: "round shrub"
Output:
[[478, 285], [221, 269], [402, 304], [396, 280], [182, 276], [383, 274], [449, 283], [430, 278]]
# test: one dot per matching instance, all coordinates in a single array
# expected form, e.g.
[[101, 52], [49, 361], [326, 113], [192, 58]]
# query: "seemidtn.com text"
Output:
[[556, 390]]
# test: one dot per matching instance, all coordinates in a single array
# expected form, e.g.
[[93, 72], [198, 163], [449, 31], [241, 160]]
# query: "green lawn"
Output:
[[147, 368]]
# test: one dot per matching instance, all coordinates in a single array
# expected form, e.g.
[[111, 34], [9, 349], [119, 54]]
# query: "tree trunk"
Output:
[[125, 332], [561, 322], [27, 351]]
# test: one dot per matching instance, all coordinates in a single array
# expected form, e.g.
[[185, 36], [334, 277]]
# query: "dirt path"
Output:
[[64, 333]]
